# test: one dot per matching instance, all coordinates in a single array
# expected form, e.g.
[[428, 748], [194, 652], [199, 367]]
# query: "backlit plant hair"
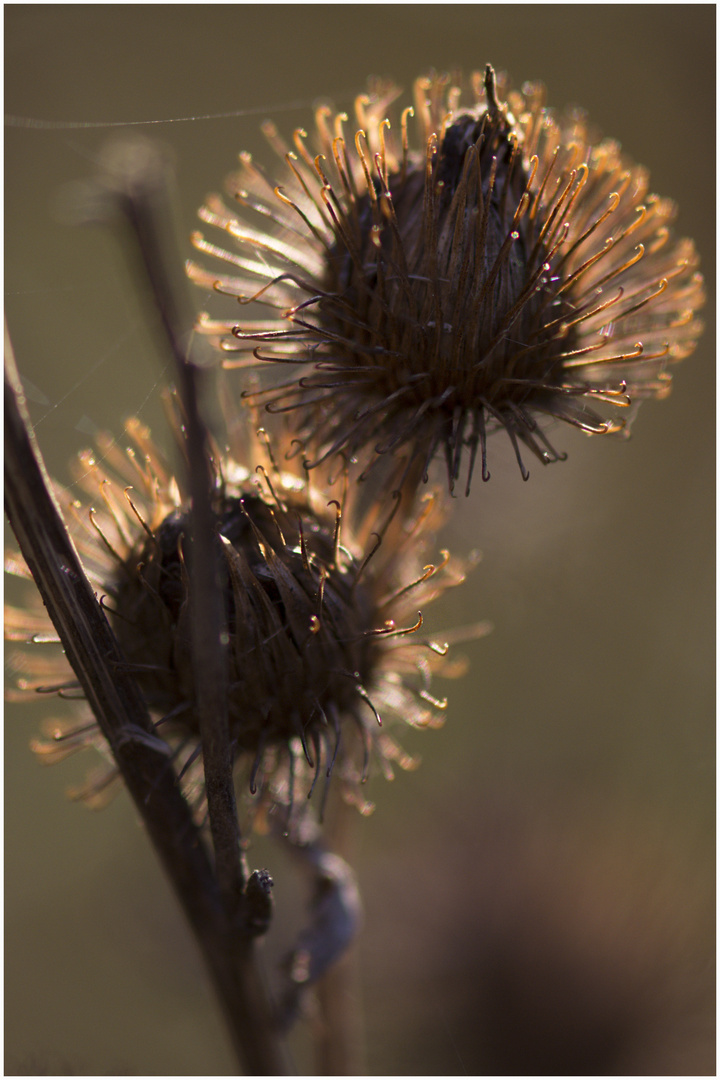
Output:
[[325, 644], [510, 269], [502, 269]]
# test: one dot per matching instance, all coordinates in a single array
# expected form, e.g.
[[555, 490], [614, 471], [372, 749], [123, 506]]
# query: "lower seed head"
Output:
[[297, 627], [321, 605]]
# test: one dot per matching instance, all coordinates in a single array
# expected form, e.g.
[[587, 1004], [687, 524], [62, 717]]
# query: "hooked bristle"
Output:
[[321, 605], [509, 269]]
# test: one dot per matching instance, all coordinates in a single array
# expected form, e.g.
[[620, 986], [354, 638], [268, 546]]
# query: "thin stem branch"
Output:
[[338, 1034], [95, 657], [218, 906], [139, 182], [142, 190], [121, 713]]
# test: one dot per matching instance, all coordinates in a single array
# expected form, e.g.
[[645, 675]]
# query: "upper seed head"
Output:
[[510, 269]]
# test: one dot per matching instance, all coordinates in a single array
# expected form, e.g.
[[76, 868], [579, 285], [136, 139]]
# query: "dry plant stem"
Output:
[[141, 188], [95, 657], [337, 1038], [338, 1035], [122, 715], [142, 191]]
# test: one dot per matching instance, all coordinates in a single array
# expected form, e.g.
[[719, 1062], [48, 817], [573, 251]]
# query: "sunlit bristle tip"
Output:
[[322, 604], [498, 270]]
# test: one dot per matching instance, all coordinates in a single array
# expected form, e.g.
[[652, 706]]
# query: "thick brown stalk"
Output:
[[138, 180], [122, 715]]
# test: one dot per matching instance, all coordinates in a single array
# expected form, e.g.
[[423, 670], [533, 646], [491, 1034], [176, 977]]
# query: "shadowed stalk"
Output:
[[137, 176], [339, 1035], [221, 911], [143, 195]]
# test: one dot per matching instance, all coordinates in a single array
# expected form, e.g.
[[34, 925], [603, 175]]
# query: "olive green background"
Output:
[[539, 895]]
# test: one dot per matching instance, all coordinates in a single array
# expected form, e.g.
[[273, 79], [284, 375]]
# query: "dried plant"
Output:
[[253, 620], [512, 268], [323, 614]]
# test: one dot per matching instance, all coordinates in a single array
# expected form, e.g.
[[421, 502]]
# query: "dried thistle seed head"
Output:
[[508, 270], [322, 615], [286, 662]]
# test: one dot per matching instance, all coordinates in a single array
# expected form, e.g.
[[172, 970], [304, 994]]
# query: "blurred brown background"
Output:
[[539, 895]]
